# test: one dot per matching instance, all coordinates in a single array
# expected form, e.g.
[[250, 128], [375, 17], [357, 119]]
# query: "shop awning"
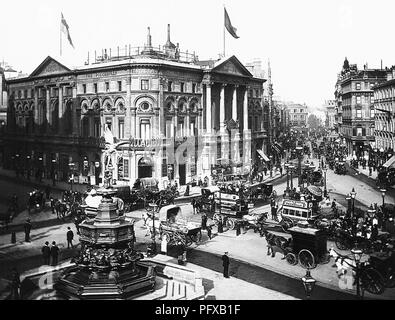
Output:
[[390, 163], [264, 156]]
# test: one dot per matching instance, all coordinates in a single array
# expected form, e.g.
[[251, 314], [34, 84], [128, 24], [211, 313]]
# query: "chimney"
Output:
[[149, 38], [168, 33]]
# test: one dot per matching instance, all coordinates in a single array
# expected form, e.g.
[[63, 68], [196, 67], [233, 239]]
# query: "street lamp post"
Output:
[[271, 166], [28, 167], [357, 253], [299, 154], [71, 166], [383, 191], [348, 198], [308, 284], [286, 165], [353, 194], [291, 168], [325, 191]]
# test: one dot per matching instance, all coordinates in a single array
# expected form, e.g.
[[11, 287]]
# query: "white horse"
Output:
[[343, 263]]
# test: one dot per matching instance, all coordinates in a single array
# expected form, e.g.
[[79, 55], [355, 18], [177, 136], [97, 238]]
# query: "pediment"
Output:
[[48, 67], [232, 66]]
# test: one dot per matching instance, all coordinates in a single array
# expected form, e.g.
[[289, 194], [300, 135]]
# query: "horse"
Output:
[[343, 263], [277, 244]]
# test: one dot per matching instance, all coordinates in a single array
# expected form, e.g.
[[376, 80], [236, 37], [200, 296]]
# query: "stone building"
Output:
[[172, 116], [298, 115], [384, 106], [330, 111], [354, 98]]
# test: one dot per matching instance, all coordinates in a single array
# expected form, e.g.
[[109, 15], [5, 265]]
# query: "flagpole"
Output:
[[224, 30], [60, 30]]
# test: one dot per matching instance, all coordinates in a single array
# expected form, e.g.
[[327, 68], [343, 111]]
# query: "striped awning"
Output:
[[263, 155]]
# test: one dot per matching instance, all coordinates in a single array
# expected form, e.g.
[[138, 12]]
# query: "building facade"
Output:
[[298, 115], [172, 116], [354, 98], [330, 112], [384, 106]]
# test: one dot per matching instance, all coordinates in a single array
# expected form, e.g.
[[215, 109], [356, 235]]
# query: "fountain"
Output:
[[107, 267]]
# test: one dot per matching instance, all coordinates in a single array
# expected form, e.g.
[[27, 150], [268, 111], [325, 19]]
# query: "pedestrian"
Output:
[[238, 229], [15, 284], [46, 252], [204, 221], [370, 171], [27, 227], [52, 202], [281, 171], [274, 212], [265, 170], [70, 237], [225, 264], [54, 253], [209, 232]]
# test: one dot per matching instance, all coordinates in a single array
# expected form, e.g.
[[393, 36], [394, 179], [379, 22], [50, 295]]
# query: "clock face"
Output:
[[144, 107]]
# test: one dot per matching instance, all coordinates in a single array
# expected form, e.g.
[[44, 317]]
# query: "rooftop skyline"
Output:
[[306, 41]]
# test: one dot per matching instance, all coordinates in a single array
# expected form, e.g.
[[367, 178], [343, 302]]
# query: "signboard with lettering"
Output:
[[295, 204]]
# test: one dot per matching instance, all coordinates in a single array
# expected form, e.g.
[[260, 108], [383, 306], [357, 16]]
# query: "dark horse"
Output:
[[277, 244]]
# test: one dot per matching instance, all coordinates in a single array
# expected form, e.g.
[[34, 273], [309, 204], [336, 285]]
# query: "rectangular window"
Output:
[[359, 113], [121, 126], [97, 128], [182, 86], [144, 84], [84, 88], [119, 85], [359, 131], [164, 167], [372, 99], [372, 113], [193, 87], [358, 86], [170, 86], [19, 94], [107, 85], [358, 99], [126, 168], [95, 87], [145, 129]]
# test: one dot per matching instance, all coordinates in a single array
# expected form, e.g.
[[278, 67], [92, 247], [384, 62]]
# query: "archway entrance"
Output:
[[145, 168]]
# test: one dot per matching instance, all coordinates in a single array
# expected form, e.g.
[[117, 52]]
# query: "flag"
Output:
[[65, 29], [108, 136], [228, 25]]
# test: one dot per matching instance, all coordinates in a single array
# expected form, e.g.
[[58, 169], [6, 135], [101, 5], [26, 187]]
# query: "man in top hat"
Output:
[[225, 264]]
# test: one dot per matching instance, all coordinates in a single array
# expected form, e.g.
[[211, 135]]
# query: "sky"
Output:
[[305, 40]]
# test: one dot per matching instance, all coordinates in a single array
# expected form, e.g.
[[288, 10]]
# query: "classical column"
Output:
[[245, 109], [36, 110], [222, 109], [234, 103], [175, 121], [48, 111], [208, 108], [133, 123], [161, 106], [76, 118], [187, 123], [128, 133], [60, 109]]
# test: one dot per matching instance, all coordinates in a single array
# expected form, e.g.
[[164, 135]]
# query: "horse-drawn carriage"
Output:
[[175, 227], [307, 246], [260, 191]]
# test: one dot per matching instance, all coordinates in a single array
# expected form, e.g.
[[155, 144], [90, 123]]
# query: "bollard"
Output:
[[13, 237]]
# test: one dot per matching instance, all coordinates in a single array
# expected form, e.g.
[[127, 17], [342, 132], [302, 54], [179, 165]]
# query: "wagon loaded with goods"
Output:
[[175, 227]]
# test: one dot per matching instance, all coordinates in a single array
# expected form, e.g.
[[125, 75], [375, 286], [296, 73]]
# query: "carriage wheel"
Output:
[[286, 223], [306, 259], [230, 223], [341, 243], [372, 281], [292, 259]]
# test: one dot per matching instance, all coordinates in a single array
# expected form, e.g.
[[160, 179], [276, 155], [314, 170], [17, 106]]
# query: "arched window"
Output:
[[145, 129]]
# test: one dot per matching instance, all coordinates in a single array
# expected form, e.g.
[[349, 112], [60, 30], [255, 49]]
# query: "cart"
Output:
[[309, 247], [175, 228]]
